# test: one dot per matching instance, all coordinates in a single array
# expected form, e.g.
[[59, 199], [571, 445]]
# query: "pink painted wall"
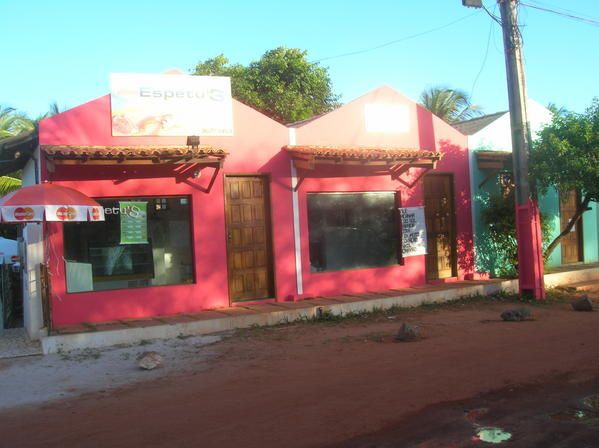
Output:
[[255, 148], [346, 127]]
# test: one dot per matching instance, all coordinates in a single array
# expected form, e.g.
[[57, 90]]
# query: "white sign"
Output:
[[387, 118], [170, 105], [413, 225]]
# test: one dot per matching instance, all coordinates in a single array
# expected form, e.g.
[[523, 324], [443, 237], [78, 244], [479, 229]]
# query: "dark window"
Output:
[[352, 230], [151, 246]]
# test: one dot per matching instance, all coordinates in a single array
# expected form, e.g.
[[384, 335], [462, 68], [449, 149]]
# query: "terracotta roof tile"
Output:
[[130, 152], [362, 152]]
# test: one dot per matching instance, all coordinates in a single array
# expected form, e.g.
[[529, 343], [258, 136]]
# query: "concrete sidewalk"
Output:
[[274, 313]]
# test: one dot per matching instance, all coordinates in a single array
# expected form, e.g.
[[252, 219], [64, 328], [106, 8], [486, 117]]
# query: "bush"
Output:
[[501, 245]]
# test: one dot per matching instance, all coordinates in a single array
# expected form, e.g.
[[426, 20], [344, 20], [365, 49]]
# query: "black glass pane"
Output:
[[102, 255], [352, 230]]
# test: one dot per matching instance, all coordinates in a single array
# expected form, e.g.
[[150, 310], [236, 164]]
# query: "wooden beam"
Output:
[[123, 161], [304, 164], [492, 174], [491, 164], [394, 165]]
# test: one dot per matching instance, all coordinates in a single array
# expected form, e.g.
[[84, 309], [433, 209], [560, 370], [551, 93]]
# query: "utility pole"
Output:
[[528, 223]]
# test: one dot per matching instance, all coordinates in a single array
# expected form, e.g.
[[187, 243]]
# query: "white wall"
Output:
[[498, 136], [32, 254], [30, 168]]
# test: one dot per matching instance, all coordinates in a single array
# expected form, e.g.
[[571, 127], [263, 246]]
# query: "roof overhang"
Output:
[[308, 156], [133, 155], [493, 160], [16, 151]]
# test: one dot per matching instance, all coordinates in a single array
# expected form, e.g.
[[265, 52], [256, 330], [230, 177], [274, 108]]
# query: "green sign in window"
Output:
[[134, 222]]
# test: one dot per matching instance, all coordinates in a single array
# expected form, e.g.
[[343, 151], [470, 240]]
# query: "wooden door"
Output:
[[571, 243], [248, 238], [440, 226]]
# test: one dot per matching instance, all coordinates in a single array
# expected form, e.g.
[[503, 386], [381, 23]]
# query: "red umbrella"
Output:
[[49, 202]]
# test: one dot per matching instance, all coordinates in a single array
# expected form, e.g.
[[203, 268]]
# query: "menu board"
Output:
[[134, 222]]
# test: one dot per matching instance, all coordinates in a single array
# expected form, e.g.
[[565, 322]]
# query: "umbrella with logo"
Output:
[[49, 202]]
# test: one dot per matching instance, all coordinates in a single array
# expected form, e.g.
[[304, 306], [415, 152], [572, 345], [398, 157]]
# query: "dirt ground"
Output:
[[543, 415], [347, 383]]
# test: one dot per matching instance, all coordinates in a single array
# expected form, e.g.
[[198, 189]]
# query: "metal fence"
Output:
[[11, 300]]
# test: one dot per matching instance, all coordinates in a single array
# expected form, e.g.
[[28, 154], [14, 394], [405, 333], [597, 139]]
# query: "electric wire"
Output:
[[396, 41], [492, 14], [563, 14], [561, 10], [485, 56]]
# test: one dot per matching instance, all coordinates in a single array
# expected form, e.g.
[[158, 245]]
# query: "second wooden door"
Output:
[[440, 226], [248, 238]]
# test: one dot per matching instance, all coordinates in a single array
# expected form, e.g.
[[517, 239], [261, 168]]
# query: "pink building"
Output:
[[272, 213]]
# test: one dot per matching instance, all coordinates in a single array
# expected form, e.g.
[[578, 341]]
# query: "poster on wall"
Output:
[[134, 222], [170, 105], [413, 225]]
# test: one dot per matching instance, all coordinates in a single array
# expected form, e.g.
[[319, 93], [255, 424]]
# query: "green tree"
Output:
[[282, 84], [450, 105], [566, 155], [13, 123], [500, 242]]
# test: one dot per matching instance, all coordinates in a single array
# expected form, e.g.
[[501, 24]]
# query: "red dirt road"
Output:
[[320, 384]]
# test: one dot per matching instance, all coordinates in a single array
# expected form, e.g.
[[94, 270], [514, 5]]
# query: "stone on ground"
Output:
[[517, 315], [149, 360], [583, 304], [406, 333]]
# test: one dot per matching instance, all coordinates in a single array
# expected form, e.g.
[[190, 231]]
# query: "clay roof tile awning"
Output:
[[307, 156], [72, 154]]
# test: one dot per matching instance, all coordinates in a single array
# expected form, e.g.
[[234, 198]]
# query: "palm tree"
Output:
[[451, 105], [53, 109], [8, 184], [13, 123]]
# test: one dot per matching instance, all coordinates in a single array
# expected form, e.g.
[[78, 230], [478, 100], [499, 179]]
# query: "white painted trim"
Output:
[[473, 194], [296, 220]]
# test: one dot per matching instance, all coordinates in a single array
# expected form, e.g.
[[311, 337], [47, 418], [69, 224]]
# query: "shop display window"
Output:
[[352, 230], [144, 241]]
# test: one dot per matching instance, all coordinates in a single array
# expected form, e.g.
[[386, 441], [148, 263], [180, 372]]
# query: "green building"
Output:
[[490, 159]]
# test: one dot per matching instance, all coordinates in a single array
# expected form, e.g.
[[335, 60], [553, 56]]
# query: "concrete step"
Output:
[[592, 285]]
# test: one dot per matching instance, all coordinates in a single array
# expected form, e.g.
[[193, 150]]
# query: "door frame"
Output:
[[267, 177], [453, 236]]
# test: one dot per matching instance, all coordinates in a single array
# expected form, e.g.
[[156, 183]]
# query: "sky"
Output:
[[64, 50]]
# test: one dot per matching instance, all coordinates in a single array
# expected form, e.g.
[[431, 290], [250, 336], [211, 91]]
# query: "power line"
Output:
[[396, 41], [491, 14], [563, 14], [563, 10], [485, 56]]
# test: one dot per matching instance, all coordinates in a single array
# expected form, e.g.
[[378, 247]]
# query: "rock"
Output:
[[406, 333], [583, 304], [149, 360], [517, 315]]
